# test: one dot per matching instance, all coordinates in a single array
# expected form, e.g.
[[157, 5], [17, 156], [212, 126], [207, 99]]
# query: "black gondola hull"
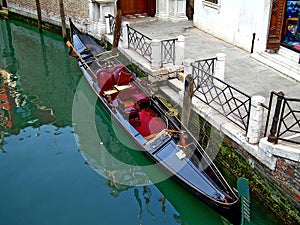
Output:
[[161, 148]]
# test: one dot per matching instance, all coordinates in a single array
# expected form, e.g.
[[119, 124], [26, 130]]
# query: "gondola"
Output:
[[152, 127]]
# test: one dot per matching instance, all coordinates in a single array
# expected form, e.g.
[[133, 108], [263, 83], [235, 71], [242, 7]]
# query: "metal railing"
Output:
[[112, 25], [225, 99], [140, 43], [168, 51], [207, 65], [286, 119]]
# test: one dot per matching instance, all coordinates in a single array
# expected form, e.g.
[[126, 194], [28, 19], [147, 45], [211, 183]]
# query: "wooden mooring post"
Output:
[[4, 3], [187, 99], [39, 14], [272, 136], [63, 20], [117, 32]]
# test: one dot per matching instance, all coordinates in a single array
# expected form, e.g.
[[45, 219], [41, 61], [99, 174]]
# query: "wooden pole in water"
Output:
[[4, 3], [117, 32], [187, 99], [63, 19], [39, 14]]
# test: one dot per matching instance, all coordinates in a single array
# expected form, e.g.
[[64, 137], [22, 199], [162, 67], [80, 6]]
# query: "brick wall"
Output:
[[287, 174], [76, 9]]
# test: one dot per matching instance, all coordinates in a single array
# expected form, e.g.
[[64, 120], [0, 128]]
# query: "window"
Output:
[[212, 3]]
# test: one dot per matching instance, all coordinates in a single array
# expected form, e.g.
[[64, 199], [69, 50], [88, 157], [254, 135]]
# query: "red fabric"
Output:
[[150, 124], [105, 80], [116, 71], [108, 78], [124, 78], [126, 93]]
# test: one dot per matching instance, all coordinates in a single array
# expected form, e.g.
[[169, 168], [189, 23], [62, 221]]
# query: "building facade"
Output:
[[90, 14], [254, 25]]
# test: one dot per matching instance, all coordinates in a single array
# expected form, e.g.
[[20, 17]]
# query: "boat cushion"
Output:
[[116, 71], [105, 80], [124, 78]]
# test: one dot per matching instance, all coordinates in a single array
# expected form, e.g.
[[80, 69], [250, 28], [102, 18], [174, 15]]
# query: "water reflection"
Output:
[[34, 88], [18, 110], [124, 168], [7, 50]]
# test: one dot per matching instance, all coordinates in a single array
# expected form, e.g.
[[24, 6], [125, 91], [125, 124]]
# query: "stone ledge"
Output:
[[265, 151], [280, 150]]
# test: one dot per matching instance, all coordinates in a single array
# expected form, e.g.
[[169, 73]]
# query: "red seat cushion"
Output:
[[105, 80], [124, 78], [116, 71]]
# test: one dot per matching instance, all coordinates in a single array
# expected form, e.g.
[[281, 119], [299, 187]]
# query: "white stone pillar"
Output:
[[178, 10], [220, 70], [91, 10], [256, 120], [162, 9], [125, 25], [107, 25], [179, 50], [220, 66], [91, 16], [156, 54]]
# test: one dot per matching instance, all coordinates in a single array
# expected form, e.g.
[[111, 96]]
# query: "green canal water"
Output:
[[61, 158]]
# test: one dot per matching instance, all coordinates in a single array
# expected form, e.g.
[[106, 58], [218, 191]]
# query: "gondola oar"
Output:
[[68, 43]]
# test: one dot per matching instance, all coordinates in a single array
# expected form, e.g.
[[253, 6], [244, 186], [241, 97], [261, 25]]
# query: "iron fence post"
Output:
[[272, 136]]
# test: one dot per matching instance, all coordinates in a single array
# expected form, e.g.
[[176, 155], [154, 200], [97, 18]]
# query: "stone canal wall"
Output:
[[50, 10], [279, 188]]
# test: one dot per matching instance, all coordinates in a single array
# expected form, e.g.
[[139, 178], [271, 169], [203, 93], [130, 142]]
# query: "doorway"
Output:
[[190, 9], [275, 26], [132, 7]]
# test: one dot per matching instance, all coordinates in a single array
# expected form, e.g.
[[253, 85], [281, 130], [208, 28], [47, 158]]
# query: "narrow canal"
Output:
[[61, 161]]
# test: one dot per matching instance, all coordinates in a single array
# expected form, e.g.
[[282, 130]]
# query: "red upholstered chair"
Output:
[[105, 80], [130, 111]]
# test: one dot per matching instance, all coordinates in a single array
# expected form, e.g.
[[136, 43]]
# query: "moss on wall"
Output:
[[33, 22], [261, 184]]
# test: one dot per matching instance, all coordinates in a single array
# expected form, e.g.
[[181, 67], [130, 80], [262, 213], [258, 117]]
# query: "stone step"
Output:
[[289, 54], [169, 91], [280, 62], [175, 84]]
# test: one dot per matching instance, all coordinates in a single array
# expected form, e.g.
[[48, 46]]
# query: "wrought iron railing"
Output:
[[112, 25], [222, 97], [286, 119], [207, 65], [140, 43], [168, 51]]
